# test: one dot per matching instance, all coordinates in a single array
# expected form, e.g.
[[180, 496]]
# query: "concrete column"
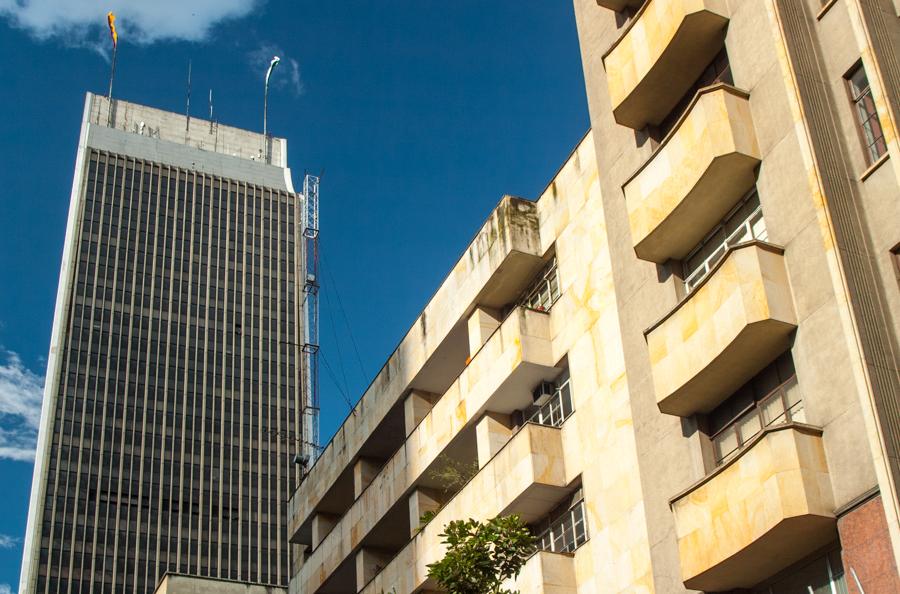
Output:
[[415, 407], [482, 324], [420, 501], [491, 433], [368, 563], [321, 526], [364, 471]]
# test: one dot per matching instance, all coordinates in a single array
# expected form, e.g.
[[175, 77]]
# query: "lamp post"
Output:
[[272, 65]]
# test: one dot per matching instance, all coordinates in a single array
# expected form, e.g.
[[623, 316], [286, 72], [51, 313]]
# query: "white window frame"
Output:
[[567, 532], [545, 290], [556, 410], [753, 228]]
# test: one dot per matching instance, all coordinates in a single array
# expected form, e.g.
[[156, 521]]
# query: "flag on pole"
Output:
[[111, 20]]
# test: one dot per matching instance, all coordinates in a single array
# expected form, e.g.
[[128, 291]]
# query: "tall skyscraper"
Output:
[[171, 407]]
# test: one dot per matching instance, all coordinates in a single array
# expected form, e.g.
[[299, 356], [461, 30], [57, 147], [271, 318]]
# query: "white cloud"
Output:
[[21, 394], [137, 21], [286, 75], [5, 589], [8, 542]]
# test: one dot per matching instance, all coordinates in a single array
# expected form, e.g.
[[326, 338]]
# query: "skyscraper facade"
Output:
[[171, 405]]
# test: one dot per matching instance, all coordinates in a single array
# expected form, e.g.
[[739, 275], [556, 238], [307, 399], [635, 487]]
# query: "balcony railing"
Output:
[[783, 405], [754, 227]]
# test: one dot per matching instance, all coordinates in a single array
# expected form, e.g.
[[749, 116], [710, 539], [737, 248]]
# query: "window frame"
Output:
[[567, 532], [695, 277], [540, 294], [555, 411], [758, 409], [870, 150]]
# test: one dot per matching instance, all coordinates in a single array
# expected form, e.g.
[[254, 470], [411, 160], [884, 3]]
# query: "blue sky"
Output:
[[421, 113]]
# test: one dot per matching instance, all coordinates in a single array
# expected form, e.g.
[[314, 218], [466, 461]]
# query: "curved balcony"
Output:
[[761, 512], [661, 53], [735, 322], [526, 477], [695, 177]]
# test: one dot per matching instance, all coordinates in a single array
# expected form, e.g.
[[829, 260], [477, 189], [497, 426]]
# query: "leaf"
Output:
[[482, 555]]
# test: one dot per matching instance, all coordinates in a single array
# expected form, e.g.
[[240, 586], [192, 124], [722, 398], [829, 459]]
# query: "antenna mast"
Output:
[[309, 412]]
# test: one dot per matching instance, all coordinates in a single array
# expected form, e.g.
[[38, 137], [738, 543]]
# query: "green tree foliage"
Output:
[[482, 555], [451, 474]]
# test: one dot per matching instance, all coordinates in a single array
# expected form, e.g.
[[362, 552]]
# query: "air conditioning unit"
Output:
[[542, 393]]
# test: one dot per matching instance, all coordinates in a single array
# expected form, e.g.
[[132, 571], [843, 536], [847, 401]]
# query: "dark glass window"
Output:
[[770, 398], [717, 71]]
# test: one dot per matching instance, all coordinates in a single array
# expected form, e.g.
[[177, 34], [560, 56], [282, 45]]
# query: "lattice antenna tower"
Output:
[[310, 310]]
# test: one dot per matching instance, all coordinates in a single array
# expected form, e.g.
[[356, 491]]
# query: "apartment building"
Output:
[[679, 365]]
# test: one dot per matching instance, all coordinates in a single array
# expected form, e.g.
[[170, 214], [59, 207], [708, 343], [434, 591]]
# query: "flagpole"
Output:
[[111, 21], [112, 75]]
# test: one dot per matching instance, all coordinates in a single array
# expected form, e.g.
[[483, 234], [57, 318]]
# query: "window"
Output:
[[895, 257], [870, 131], [824, 575], [566, 531], [717, 71], [557, 409], [544, 291], [772, 397], [743, 224]]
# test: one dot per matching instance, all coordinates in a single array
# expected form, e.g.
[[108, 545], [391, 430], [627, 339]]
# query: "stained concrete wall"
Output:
[[172, 127], [183, 584]]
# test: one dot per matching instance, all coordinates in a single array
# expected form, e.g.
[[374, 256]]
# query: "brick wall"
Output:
[[866, 548]]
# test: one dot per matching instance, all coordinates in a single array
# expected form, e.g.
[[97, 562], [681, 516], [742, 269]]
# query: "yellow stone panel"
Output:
[[736, 322], [695, 177], [764, 510], [660, 54], [527, 477]]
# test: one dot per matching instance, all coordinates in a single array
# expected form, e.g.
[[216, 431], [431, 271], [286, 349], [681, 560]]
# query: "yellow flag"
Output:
[[111, 19]]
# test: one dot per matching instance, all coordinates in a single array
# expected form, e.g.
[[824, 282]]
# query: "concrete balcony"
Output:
[[546, 573], [698, 173], [499, 378], [661, 53], [735, 322], [619, 5], [494, 270], [763, 511], [526, 477]]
